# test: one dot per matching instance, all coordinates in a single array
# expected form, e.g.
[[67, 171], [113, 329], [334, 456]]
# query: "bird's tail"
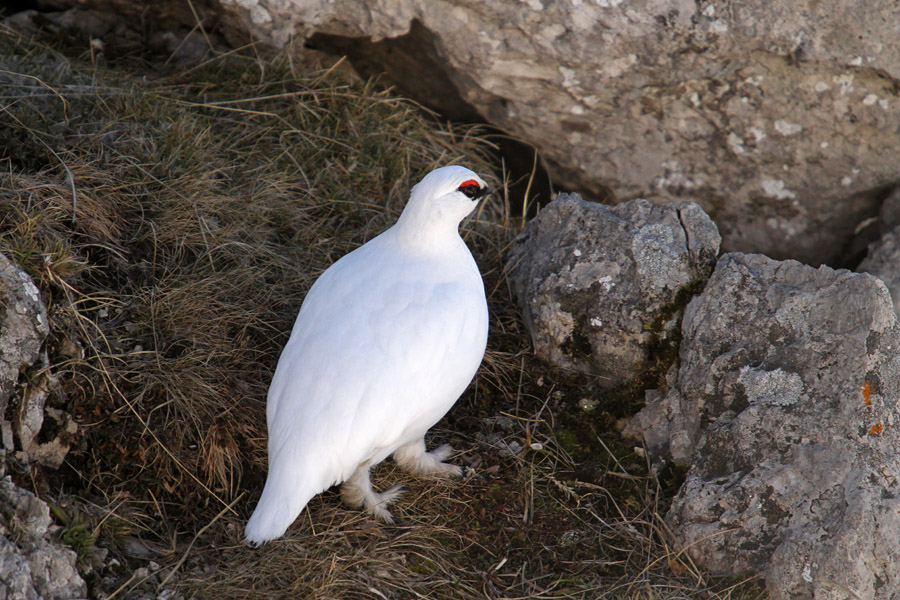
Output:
[[280, 503]]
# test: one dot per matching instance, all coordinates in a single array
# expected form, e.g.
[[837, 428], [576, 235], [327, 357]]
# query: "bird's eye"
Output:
[[472, 190]]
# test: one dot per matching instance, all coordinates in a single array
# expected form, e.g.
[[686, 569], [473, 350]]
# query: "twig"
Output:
[[528, 187], [200, 26]]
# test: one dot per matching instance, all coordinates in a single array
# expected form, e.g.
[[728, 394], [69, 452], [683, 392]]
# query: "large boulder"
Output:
[[598, 285], [785, 407]]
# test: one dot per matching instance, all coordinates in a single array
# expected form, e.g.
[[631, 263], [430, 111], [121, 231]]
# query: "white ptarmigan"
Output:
[[386, 341]]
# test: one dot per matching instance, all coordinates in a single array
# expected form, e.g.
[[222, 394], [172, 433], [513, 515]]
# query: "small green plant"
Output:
[[74, 530]]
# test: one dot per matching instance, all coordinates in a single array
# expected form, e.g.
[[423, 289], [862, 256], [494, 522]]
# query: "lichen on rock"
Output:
[[784, 407], [590, 278]]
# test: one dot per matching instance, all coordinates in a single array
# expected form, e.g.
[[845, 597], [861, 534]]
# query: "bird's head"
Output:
[[444, 197]]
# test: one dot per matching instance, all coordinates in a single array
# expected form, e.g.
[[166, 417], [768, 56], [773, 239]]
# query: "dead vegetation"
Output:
[[173, 223]]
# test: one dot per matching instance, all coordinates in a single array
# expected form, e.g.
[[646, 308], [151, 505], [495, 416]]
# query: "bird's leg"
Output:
[[415, 459], [358, 493]]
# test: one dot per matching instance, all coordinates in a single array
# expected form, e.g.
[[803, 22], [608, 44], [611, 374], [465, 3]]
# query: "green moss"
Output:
[[569, 441], [683, 295], [589, 436], [664, 345]]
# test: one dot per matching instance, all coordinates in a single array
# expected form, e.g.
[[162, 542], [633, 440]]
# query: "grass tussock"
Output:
[[173, 223]]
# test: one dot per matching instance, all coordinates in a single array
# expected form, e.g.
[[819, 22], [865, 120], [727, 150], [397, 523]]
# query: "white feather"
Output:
[[385, 342]]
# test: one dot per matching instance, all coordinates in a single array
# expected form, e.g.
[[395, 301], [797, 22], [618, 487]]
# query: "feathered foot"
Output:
[[358, 493], [415, 459]]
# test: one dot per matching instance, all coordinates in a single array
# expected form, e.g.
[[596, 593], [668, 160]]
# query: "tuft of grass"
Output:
[[173, 222]]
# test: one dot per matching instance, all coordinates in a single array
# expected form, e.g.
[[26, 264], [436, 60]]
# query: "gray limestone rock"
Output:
[[785, 406], [883, 258], [883, 261], [31, 566], [23, 327], [589, 278]]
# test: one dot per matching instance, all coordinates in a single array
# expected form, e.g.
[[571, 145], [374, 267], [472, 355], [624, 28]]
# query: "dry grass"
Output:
[[173, 225]]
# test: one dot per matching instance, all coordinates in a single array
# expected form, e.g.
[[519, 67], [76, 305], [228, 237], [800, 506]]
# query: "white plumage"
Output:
[[385, 342]]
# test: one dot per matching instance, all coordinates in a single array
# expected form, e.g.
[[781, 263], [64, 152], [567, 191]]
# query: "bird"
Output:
[[386, 341]]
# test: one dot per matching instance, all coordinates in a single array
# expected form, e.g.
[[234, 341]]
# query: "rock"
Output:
[[43, 432], [589, 278], [883, 258], [777, 121], [91, 24], [883, 261], [23, 327], [32, 567], [890, 210], [785, 406]]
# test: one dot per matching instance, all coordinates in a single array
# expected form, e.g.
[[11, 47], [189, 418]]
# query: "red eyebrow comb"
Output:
[[469, 182]]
